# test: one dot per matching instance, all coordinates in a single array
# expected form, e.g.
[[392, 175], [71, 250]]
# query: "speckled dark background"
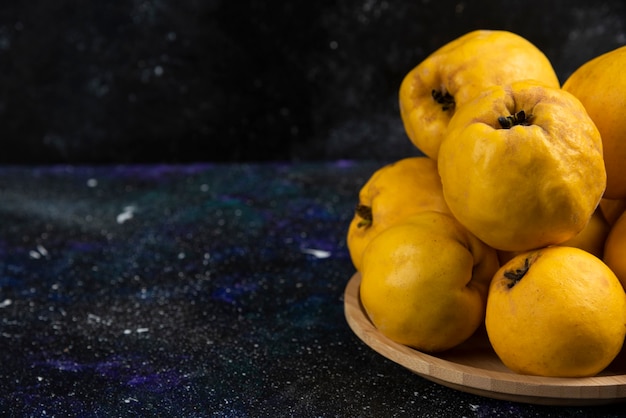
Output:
[[186, 286], [188, 80], [197, 291]]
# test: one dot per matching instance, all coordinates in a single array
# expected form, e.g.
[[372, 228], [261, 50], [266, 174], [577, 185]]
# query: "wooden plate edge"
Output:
[[493, 384]]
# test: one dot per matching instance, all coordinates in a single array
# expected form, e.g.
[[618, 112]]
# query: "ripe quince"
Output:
[[600, 84], [615, 249], [425, 280], [558, 311], [521, 166], [593, 235], [455, 73], [394, 192], [612, 209], [591, 239]]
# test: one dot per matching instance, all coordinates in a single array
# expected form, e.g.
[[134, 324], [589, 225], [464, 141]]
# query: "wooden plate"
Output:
[[473, 367]]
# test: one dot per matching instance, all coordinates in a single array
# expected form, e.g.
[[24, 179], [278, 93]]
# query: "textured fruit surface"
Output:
[[455, 73], [593, 236], [558, 311], [600, 84], [615, 249], [521, 166], [612, 209], [424, 282], [591, 239], [392, 193]]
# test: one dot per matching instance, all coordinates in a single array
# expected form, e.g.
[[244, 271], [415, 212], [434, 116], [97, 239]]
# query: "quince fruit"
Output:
[[521, 166], [557, 311], [395, 191], [612, 209], [454, 74], [615, 249], [591, 239], [593, 235], [425, 280], [600, 84]]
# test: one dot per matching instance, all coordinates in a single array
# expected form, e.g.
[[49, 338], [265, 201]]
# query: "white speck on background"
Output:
[[93, 318], [39, 252], [5, 303], [42, 250], [127, 214], [316, 253], [129, 331], [92, 183]]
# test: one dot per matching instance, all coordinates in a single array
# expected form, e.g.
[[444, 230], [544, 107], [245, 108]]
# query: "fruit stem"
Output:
[[446, 100], [519, 118], [516, 275], [364, 212]]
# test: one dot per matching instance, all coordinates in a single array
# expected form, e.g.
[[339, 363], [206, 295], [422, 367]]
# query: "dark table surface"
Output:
[[196, 290]]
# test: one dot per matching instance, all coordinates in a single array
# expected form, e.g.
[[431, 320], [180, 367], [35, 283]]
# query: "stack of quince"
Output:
[[512, 219]]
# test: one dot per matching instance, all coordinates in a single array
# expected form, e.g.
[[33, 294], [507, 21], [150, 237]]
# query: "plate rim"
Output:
[[510, 386]]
